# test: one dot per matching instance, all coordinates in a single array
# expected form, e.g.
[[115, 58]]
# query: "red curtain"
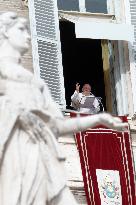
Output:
[[103, 148]]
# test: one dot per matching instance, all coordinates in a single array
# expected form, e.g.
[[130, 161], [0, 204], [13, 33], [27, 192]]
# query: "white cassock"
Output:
[[78, 100]]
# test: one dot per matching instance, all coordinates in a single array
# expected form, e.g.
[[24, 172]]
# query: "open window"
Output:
[[44, 24], [90, 54], [82, 62]]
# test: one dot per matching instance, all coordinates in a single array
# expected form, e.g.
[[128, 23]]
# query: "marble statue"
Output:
[[31, 163]]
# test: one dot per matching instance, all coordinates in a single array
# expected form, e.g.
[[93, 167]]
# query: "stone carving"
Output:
[[25, 2], [31, 163]]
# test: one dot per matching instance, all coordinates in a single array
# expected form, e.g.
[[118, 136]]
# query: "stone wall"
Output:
[[73, 168], [19, 7]]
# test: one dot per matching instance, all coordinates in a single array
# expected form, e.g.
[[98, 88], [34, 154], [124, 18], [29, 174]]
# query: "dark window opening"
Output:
[[82, 62], [68, 5]]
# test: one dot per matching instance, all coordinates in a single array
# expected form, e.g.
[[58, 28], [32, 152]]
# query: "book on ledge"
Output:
[[88, 102]]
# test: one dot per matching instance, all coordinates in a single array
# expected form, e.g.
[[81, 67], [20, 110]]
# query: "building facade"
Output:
[[91, 41], [67, 47], [117, 56]]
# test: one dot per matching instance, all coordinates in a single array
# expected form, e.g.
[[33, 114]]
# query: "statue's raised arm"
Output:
[[31, 164]]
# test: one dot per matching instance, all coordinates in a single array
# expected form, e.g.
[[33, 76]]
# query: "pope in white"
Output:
[[78, 100]]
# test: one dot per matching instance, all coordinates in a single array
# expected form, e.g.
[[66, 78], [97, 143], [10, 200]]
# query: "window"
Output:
[[68, 5], [93, 6], [96, 6]]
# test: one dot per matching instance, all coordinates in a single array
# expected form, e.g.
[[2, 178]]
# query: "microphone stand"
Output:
[[99, 100]]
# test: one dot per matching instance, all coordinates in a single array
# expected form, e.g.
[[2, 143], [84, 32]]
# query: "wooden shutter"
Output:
[[130, 12], [44, 25], [133, 21]]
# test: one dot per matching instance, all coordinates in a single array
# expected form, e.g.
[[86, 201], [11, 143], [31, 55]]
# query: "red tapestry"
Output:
[[105, 149]]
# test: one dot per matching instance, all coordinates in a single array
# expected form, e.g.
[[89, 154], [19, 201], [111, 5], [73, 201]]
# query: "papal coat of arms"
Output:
[[109, 187]]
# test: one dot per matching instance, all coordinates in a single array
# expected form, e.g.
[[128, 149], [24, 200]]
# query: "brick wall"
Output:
[[19, 7]]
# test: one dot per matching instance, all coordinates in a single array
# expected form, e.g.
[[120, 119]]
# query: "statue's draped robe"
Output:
[[31, 164]]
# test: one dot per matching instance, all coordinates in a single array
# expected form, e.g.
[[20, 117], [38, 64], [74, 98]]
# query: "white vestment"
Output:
[[78, 100]]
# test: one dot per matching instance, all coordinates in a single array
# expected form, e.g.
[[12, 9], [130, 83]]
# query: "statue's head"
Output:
[[14, 30]]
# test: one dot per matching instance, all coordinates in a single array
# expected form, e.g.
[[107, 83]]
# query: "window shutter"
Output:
[[132, 48], [44, 26], [133, 22]]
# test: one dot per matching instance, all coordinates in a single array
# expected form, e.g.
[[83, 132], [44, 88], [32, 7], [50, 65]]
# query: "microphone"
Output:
[[100, 101]]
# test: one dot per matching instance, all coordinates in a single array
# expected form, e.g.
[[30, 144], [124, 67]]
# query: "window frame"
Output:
[[83, 9]]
